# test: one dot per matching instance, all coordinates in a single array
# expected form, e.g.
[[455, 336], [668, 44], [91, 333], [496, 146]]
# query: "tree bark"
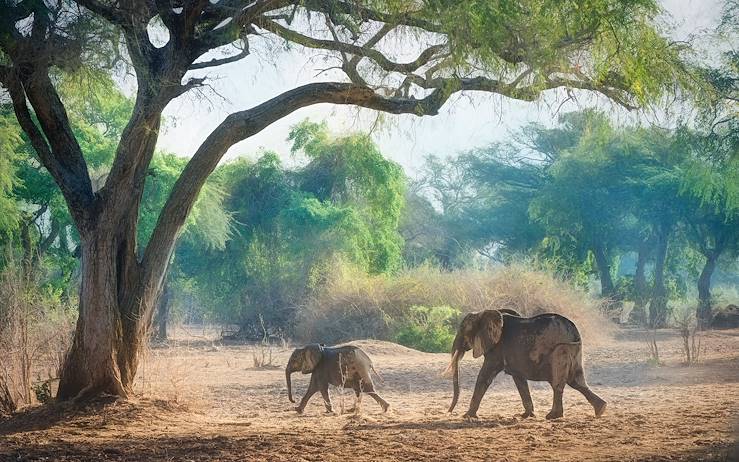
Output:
[[604, 271], [116, 302], [92, 365], [638, 314], [703, 313], [116, 311], [163, 312], [658, 303]]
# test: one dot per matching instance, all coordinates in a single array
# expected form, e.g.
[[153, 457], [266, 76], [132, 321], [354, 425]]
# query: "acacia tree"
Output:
[[711, 190], [515, 49]]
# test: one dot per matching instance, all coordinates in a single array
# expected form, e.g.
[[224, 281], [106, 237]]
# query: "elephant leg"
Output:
[[312, 389], [562, 359], [578, 383], [366, 386], [383, 404], [357, 399], [490, 368], [557, 409], [327, 399], [523, 389]]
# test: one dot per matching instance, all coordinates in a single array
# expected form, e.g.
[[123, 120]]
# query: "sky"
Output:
[[465, 122]]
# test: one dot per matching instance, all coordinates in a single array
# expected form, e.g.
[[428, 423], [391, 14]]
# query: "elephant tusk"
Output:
[[447, 373]]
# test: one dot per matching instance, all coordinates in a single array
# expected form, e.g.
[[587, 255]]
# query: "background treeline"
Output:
[[338, 242], [651, 214]]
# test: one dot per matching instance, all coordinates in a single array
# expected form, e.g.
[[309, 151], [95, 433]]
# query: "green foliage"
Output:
[[429, 329], [291, 226], [9, 141], [617, 37], [441, 223], [715, 185], [352, 170], [208, 223], [566, 258]]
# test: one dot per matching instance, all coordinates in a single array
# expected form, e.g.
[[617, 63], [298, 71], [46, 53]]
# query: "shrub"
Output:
[[429, 329], [687, 325], [353, 305], [35, 333]]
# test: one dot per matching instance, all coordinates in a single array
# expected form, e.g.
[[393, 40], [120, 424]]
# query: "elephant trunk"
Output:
[[458, 351], [289, 386], [289, 369]]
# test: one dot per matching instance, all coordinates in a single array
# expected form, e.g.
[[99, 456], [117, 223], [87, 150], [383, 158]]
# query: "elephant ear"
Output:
[[311, 356], [489, 331]]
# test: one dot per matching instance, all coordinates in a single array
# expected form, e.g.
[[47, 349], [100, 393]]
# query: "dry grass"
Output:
[[170, 378], [358, 306]]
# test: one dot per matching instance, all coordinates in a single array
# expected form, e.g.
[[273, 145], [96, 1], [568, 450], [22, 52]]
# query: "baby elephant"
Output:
[[346, 366]]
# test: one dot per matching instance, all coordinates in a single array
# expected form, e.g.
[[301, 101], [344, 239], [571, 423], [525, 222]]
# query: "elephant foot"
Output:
[[600, 408], [554, 415], [527, 414]]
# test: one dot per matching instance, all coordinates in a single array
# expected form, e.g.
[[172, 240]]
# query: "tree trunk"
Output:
[[638, 315], [703, 314], [115, 310], [604, 271], [163, 312], [92, 365], [658, 304]]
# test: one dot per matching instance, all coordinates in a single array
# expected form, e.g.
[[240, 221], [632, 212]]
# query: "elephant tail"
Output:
[[372, 368]]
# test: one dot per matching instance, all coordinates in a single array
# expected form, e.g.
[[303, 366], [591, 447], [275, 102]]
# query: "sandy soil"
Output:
[[201, 400]]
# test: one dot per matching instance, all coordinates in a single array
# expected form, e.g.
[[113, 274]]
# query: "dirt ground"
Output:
[[201, 400]]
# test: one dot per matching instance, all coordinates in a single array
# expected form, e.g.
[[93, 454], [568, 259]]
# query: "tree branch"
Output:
[[221, 61], [309, 42], [48, 241], [241, 20], [112, 15], [68, 170], [354, 9], [241, 125]]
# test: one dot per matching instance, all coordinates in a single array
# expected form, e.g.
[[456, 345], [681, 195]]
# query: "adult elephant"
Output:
[[546, 347]]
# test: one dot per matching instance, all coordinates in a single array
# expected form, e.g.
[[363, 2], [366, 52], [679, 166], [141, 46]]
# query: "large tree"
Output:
[[515, 49]]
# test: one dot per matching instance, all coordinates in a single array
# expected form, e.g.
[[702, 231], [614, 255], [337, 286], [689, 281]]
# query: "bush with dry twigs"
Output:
[[652, 348], [687, 325], [35, 332], [353, 305]]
